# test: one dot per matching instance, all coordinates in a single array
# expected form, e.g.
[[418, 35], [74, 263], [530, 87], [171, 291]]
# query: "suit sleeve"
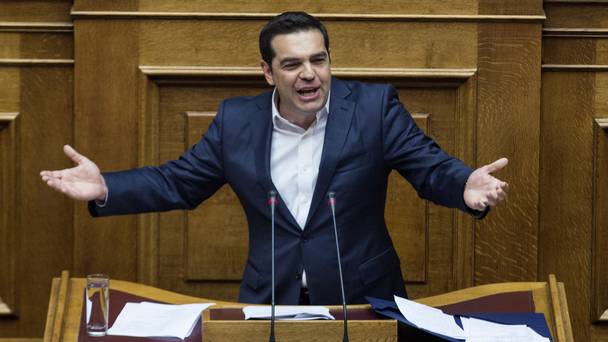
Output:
[[434, 174], [178, 184]]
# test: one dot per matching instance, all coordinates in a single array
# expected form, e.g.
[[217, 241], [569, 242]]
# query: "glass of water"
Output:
[[97, 304]]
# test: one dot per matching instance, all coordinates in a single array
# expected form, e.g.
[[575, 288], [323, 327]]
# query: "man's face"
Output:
[[301, 73]]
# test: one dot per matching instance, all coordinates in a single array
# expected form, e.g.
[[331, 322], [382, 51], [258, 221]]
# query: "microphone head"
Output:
[[272, 197], [332, 198]]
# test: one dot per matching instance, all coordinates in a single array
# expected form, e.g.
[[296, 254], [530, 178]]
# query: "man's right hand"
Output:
[[83, 182]]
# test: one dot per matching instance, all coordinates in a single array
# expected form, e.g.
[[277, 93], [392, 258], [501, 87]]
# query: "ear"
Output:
[[267, 69]]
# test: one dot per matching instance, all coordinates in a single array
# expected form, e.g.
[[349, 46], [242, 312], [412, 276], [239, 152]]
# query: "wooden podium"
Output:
[[64, 318]]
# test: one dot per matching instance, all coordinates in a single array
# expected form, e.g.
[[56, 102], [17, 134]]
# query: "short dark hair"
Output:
[[285, 23]]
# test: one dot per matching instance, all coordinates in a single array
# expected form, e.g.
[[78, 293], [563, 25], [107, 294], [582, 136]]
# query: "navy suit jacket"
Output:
[[368, 134]]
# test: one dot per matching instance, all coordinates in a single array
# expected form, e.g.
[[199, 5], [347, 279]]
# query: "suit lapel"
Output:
[[338, 124], [261, 136]]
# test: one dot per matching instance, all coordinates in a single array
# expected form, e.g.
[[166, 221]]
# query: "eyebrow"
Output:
[[295, 59]]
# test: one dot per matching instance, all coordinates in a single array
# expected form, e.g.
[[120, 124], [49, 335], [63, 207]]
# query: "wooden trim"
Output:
[[147, 224], [321, 16], [575, 32], [598, 256], [8, 117], [155, 71], [6, 26], [9, 216], [36, 62], [569, 334], [602, 123], [62, 301], [575, 67], [58, 301], [557, 309], [4, 309]]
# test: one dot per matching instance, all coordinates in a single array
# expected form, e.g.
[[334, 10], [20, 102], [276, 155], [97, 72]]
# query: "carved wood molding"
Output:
[[321, 16], [411, 73], [599, 262], [36, 27]]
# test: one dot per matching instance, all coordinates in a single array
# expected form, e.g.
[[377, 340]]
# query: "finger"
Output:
[[72, 154], [497, 165]]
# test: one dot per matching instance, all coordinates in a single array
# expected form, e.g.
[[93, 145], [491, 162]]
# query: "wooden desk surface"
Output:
[[65, 304]]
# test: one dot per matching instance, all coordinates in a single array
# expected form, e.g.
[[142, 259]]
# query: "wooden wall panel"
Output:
[[574, 96], [9, 215], [106, 130], [508, 125], [472, 65], [599, 295], [258, 6], [36, 74], [187, 42], [566, 184], [35, 11]]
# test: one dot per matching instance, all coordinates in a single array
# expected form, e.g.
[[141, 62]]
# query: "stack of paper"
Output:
[[288, 313], [157, 320], [473, 330]]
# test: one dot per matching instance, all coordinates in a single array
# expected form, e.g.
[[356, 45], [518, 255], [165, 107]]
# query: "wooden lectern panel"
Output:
[[65, 306]]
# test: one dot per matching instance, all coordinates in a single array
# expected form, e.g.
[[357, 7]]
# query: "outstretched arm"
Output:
[[483, 189], [83, 182]]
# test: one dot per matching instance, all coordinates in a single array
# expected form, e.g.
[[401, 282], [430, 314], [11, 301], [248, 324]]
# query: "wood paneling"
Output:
[[35, 10], [599, 295], [35, 224], [106, 130], [574, 95], [188, 260], [9, 215], [508, 124], [469, 69]]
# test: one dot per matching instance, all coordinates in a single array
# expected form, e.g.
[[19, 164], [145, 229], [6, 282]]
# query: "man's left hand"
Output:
[[483, 189]]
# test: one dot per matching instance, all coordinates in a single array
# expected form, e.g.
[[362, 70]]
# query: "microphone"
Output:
[[272, 201], [332, 203]]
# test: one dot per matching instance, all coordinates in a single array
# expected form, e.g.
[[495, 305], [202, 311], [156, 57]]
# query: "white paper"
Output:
[[157, 320], [288, 313], [429, 319]]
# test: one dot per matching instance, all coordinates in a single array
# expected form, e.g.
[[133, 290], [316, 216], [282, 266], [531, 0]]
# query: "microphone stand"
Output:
[[272, 200], [332, 203]]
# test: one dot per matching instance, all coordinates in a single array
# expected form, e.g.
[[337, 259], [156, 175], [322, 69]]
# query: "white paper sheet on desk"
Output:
[[430, 319], [157, 320], [478, 330], [288, 313]]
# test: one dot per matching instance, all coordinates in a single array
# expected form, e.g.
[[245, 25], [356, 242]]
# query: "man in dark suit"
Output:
[[313, 134]]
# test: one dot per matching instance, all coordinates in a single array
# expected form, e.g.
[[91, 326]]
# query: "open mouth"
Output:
[[309, 93]]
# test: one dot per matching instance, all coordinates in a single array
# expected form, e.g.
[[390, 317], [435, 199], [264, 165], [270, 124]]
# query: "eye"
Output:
[[290, 66]]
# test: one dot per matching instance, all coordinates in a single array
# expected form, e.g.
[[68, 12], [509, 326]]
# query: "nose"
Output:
[[307, 73]]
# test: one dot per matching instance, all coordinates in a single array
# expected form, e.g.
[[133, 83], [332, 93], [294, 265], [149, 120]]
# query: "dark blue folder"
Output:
[[536, 321]]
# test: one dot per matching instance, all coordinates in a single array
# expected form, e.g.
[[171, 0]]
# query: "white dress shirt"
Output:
[[295, 156]]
